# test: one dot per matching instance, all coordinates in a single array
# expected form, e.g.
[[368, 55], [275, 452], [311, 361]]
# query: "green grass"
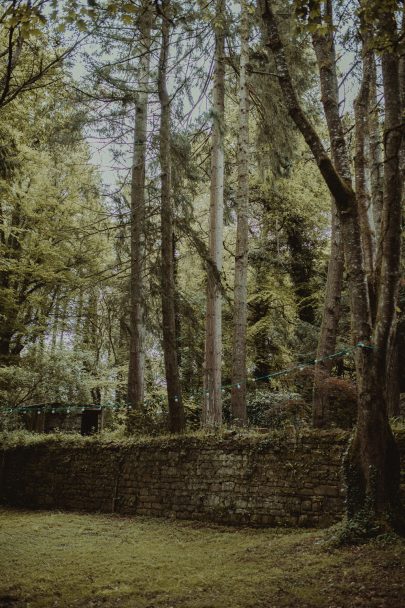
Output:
[[65, 560]]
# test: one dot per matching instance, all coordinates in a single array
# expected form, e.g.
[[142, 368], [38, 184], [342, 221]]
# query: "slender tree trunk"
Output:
[[372, 462], [212, 404], [238, 394], [393, 357], [94, 341], [393, 365], [177, 310], [119, 357], [176, 412], [330, 323], [361, 114], [376, 161], [136, 368], [326, 58], [402, 96]]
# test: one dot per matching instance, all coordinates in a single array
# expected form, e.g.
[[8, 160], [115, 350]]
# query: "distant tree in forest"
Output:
[[169, 329], [212, 399], [239, 372], [136, 370]]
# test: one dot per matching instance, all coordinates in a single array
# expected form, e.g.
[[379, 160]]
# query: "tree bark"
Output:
[[372, 463], [212, 404], [393, 374], [325, 51], [136, 368], [238, 392], [402, 94], [330, 323], [376, 161], [394, 371], [176, 412], [361, 114]]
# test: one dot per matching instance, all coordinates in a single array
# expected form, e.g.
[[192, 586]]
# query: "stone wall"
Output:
[[269, 480]]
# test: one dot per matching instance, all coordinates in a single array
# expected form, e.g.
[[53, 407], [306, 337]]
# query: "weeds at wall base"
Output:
[[362, 528]]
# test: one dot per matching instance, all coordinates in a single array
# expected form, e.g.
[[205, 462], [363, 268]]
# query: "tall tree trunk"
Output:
[[361, 116], [373, 459], [330, 323], [402, 96], [176, 412], [212, 404], [136, 368], [394, 370], [372, 463], [119, 350], [238, 394], [376, 161], [326, 58]]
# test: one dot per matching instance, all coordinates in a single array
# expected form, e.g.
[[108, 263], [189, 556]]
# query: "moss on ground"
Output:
[[65, 560]]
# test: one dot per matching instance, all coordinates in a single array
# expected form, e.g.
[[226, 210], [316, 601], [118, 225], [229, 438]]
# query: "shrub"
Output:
[[277, 409]]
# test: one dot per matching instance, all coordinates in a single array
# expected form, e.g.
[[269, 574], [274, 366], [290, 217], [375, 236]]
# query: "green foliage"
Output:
[[277, 410], [60, 376], [152, 419], [64, 273], [361, 529]]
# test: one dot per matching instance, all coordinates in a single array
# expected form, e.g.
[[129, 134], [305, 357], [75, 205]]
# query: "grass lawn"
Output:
[[62, 559]]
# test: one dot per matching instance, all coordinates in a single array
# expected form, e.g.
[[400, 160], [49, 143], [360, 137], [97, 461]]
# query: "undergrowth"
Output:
[[264, 439]]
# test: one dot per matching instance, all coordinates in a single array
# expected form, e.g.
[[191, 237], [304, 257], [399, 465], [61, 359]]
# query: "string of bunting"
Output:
[[68, 409]]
